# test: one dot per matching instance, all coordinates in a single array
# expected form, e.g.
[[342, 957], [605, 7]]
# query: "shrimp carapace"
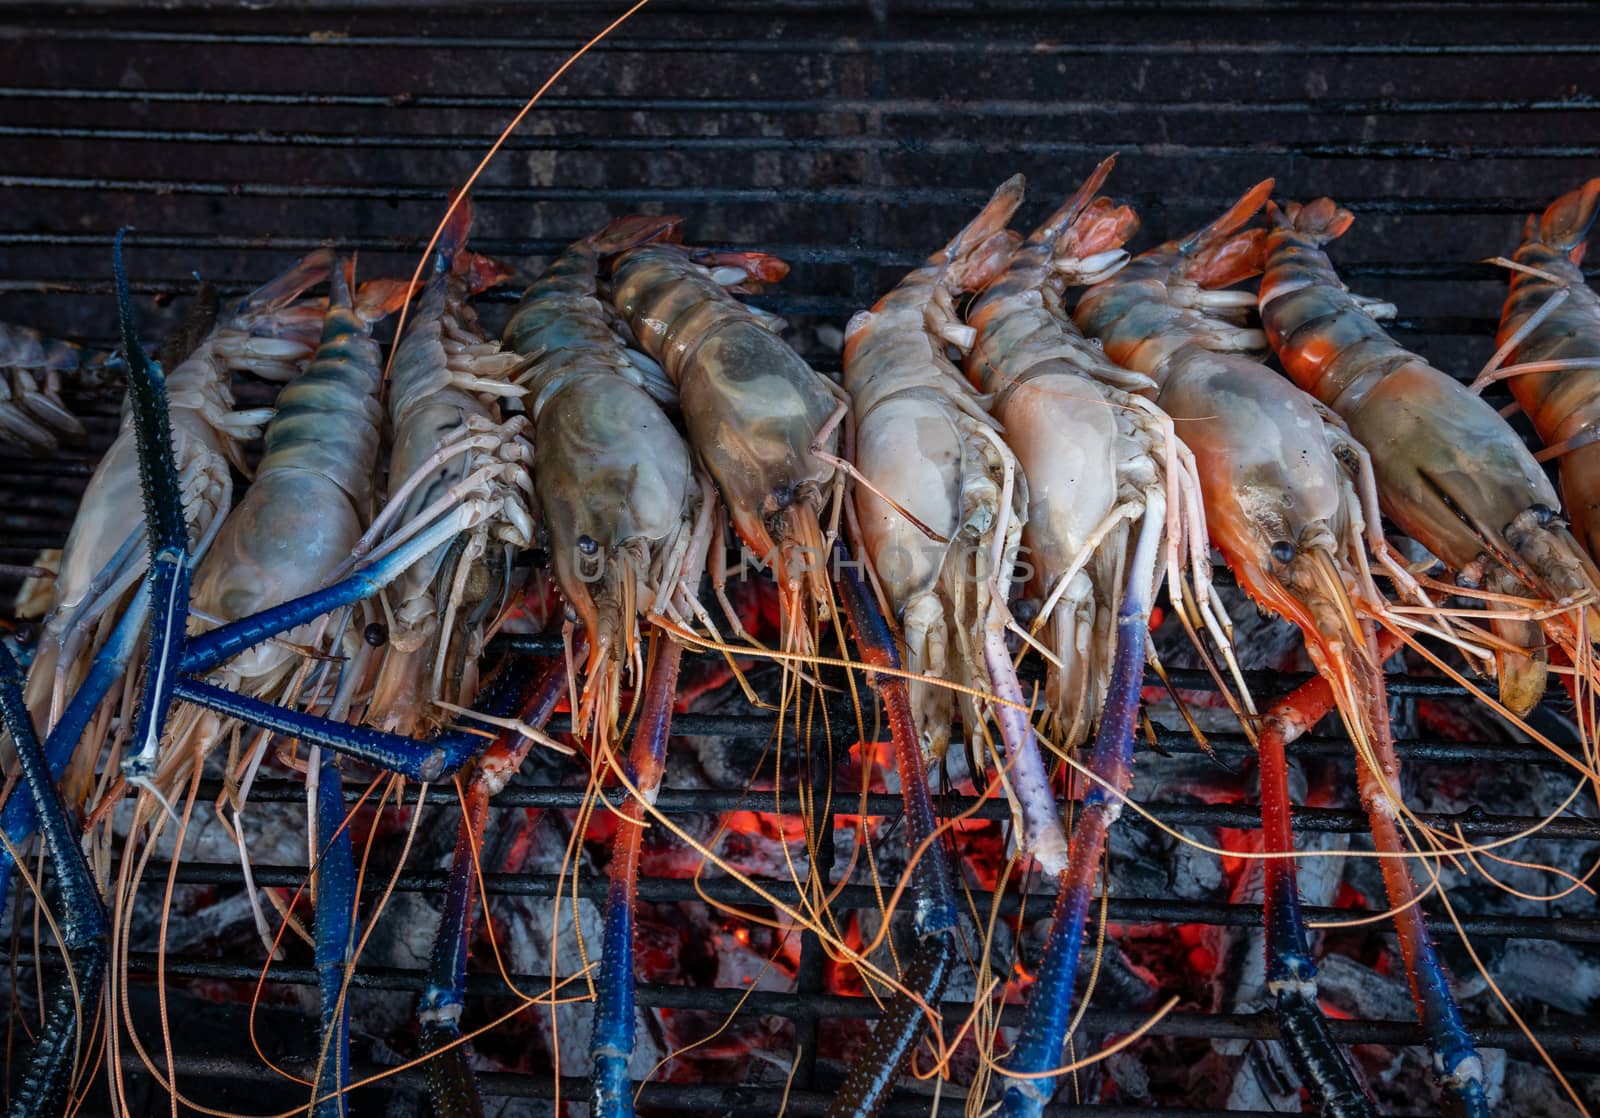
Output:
[[1549, 340], [618, 491], [1449, 470], [762, 421]]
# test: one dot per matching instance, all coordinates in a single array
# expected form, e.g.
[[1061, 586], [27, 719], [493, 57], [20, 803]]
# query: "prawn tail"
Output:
[[1085, 236], [757, 267], [1225, 252], [1565, 224], [635, 230], [1067, 216], [980, 252], [453, 233], [1320, 222], [373, 300], [290, 284]]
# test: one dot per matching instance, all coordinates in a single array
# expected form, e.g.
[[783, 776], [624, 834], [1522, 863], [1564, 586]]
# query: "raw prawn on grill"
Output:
[[345, 364], [33, 371], [453, 457], [1549, 351], [630, 521], [764, 423], [1110, 492], [1451, 472], [941, 510], [312, 494], [1289, 503], [767, 426], [208, 431], [96, 602]]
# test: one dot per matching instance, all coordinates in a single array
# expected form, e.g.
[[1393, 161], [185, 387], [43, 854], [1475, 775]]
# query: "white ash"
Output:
[[1546, 971], [1264, 1080]]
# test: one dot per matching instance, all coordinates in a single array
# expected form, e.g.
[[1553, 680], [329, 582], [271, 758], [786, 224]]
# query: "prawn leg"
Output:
[[335, 897], [1291, 974], [872, 1074], [1455, 1058], [170, 568], [450, 1080], [612, 1041], [1044, 1028], [20, 817], [83, 927]]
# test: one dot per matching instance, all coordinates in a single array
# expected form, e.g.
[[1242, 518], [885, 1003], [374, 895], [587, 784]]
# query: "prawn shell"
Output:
[[753, 408], [1564, 404], [1266, 472], [1441, 454]]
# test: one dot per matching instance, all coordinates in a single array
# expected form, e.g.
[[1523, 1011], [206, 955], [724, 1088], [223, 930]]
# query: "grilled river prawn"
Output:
[[453, 456], [942, 509], [1550, 335], [97, 614], [1110, 490], [630, 523], [765, 425], [1450, 471], [1283, 489], [762, 421]]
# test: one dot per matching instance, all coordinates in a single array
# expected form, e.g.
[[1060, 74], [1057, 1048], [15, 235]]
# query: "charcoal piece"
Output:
[[1264, 1080], [1546, 971], [1360, 991], [1130, 1076]]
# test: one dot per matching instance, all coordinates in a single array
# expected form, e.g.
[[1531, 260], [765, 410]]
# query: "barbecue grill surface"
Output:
[[848, 139]]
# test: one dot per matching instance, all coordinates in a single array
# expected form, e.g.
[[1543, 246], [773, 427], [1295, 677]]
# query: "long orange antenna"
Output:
[[494, 149]]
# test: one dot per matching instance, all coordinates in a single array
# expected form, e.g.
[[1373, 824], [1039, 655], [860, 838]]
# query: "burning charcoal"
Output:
[[1538, 1095], [1360, 991], [1120, 983], [523, 927]]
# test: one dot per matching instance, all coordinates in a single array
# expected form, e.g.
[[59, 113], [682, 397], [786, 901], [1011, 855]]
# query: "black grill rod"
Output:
[[401, 141], [728, 891], [694, 1098], [541, 247], [1573, 1037], [856, 195], [623, 43], [889, 106], [1185, 679]]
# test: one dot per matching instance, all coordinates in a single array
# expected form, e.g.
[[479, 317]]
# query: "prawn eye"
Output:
[[1544, 514], [1284, 551], [588, 545], [375, 634]]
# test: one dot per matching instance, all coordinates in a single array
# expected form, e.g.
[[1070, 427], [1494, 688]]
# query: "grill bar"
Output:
[[624, 43], [714, 144], [1577, 1037], [730, 892], [644, 193], [1067, 107]]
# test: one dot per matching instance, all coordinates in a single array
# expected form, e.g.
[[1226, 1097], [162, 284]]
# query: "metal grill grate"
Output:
[[835, 134]]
